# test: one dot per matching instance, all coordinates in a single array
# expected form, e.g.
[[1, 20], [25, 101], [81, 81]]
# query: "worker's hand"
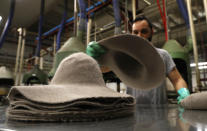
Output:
[[95, 50], [183, 93]]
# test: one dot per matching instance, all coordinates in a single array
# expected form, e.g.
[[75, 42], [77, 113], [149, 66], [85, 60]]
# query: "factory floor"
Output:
[[147, 118]]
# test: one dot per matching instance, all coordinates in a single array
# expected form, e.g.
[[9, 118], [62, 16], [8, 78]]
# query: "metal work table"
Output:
[[146, 118]]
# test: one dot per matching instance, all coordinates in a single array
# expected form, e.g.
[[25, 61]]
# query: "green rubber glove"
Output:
[[181, 111], [183, 93], [95, 50]]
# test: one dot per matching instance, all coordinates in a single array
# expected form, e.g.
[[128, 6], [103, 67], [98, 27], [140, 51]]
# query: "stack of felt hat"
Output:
[[77, 93]]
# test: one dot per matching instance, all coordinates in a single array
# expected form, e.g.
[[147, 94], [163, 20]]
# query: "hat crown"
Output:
[[81, 69]]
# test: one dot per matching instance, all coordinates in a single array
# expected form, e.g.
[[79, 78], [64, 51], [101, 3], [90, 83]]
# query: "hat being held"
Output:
[[134, 60], [77, 93]]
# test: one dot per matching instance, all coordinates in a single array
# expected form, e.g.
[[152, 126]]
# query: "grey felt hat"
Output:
[[195, 101], [134, 60], [77, 92]]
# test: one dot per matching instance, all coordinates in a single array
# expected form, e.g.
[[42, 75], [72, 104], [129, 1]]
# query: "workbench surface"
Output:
[[146, 118]]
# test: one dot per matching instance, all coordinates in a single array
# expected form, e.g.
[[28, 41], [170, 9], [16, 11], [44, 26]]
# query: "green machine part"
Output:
[[35, 76], [176, 50], [180, 55], [72, 45]]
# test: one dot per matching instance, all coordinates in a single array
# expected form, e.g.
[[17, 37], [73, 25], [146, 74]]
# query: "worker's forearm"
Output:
[[105, 69], [180, 84], [177, 80]]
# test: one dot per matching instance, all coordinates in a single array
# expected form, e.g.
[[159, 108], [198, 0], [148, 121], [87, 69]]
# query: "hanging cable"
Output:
[[89, 25], [117, 17], [163, 16], [82, 25], [40, 29], [75, 18], [62, 25], [126, 17], [202, 50], [195, 49], [8, 22], [83, 15], [184, 12]]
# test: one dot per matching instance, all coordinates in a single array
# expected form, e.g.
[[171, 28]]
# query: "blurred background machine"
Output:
[[6, 82], [35, 76]]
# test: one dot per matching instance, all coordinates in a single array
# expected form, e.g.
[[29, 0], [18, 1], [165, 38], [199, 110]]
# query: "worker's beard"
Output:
[[150, 38]]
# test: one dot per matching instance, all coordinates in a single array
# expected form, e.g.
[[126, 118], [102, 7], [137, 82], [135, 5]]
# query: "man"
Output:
[[143, 28]]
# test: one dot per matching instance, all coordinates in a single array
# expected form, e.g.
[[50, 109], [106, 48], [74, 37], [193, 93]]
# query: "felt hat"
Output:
[[195, 101], [134, 60], [77, 92]]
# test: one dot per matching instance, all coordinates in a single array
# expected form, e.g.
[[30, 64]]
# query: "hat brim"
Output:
[[134, 60], [67, 103], [53, 94]]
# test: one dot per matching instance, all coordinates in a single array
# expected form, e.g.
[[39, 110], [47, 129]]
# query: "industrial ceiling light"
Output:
[[0, 19], [147, 2], [200, 64], [202, 67]]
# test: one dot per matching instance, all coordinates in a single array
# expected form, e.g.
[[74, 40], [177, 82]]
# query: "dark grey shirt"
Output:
[[156, 95]]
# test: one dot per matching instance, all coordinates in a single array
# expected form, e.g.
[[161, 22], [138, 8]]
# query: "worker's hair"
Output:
[[140, 18]]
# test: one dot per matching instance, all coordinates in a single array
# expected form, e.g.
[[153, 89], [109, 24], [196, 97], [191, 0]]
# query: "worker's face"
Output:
[[142, 29]]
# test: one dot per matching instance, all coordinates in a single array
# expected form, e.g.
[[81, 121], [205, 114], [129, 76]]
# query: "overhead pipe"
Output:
[[134, 9], [184, 12], [54, 44], [92, 8], [37, 53], [89, 25], [75, 18], [163, 16], [205, 8], [88, 30], [41, 63], [117, 17], [82, 21], [8, 22], [203, 45], [22, 56], [95, 32], [18, 51], [20, 30], [166, 17], [62, 25], [82, 6], [195, 49], [126, 17]]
